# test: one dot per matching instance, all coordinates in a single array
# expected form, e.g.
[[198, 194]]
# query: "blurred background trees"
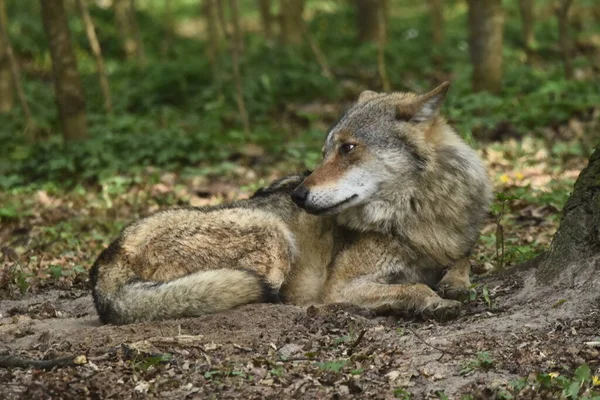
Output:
[[188, 83]]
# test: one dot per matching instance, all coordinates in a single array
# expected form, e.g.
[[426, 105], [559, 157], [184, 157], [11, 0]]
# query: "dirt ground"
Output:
[[281, 351]]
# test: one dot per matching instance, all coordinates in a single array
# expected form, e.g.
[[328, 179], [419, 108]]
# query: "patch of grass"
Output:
[[483, 361], [333, 366], [401, 393]]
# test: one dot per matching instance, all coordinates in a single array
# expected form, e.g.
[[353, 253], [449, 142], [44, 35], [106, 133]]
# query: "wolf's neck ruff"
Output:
[[448, 199]]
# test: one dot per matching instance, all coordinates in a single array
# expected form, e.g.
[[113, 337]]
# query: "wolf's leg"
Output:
[[404, 299], [456, 283]]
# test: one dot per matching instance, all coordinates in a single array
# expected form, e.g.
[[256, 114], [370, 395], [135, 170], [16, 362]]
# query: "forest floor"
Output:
[[500, 346]]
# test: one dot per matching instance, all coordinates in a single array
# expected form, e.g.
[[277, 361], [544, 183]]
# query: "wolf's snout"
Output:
[[299, 195]]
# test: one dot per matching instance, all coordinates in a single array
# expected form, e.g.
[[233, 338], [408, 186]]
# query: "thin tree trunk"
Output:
[[266, 17], [140, 52], [97, 51], [486, 23], [235, 51], [67, 84], [128, 30], [15, 75], [222, 19], [169, 28], [526, 9], [6, 84], [562, 13], [318, 53], [238, 36], [291, 21], [436, 12], [368, 19], [381, 39], [213, 38]]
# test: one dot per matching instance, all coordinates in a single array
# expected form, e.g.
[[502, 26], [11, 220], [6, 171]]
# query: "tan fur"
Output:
[[399, 215]]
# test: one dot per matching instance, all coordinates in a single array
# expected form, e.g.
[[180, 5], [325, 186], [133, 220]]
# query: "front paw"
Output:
[[441, 310], [449, 291]]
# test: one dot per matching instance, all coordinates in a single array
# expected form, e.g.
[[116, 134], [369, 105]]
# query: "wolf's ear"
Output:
[[429, 104], [366, 96]]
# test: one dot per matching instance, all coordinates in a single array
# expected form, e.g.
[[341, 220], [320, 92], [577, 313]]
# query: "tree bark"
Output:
[[291, 21], [266, 18], [67, 84], [486, 23], [90, 30], [526, 9], [128, 30], [6, 83], [368, 19], [562, 13], [574, 254], [235, 51]]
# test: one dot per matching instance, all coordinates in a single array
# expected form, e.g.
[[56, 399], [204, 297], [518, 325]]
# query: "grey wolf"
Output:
[[389, 216]]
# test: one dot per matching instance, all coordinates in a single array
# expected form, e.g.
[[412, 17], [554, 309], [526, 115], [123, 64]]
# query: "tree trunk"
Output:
[[486, 24], [90, 30], [266, 17], [574, 254], [562, 13], [235, 51], [291, 21], [6, 83], [526, 9], [128, 30], [67, 85], [368, 17]]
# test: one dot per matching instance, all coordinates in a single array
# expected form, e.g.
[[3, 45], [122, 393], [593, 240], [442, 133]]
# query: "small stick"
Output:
[[18, 362]]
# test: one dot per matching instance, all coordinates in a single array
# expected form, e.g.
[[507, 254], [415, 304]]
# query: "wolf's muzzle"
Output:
[[299, 195]]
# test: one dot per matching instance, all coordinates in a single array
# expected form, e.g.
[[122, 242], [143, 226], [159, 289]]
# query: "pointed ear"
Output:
[[429, 104], [366, 96]]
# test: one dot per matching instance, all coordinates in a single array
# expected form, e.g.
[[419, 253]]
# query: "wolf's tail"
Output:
[[120, 299]]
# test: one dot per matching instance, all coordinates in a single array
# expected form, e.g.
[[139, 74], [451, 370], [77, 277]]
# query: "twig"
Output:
[[358, 339], [444, 352], [18, 362]]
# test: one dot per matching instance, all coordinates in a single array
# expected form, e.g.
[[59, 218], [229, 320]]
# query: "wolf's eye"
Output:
[[347, 148]]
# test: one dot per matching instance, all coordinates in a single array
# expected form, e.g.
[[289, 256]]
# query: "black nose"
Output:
[[299, 195]]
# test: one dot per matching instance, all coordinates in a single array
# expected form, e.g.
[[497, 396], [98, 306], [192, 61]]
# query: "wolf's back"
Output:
[[121, 298]]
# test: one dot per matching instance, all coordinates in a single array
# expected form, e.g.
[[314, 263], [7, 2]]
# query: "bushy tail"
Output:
[[200, 293]]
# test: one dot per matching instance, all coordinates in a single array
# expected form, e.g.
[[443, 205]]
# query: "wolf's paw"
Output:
[[441, 309], [453, 291]]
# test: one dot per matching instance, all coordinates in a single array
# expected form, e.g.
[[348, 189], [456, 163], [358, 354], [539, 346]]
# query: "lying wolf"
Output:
[[390, 214]]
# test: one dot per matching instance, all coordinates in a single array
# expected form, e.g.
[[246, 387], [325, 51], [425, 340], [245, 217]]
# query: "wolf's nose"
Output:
[[299, 195]]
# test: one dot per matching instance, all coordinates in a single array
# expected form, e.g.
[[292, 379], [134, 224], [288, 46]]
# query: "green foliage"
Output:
[[174, 114], [483, 361], [333, 366]]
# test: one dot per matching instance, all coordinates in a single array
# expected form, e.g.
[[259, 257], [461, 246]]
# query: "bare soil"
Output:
[[282, 351]]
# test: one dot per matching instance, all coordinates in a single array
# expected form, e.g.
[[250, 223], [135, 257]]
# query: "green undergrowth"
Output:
[[173, 114]]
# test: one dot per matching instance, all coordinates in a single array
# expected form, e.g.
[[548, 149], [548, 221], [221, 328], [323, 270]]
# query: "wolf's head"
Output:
[[385, 139]]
